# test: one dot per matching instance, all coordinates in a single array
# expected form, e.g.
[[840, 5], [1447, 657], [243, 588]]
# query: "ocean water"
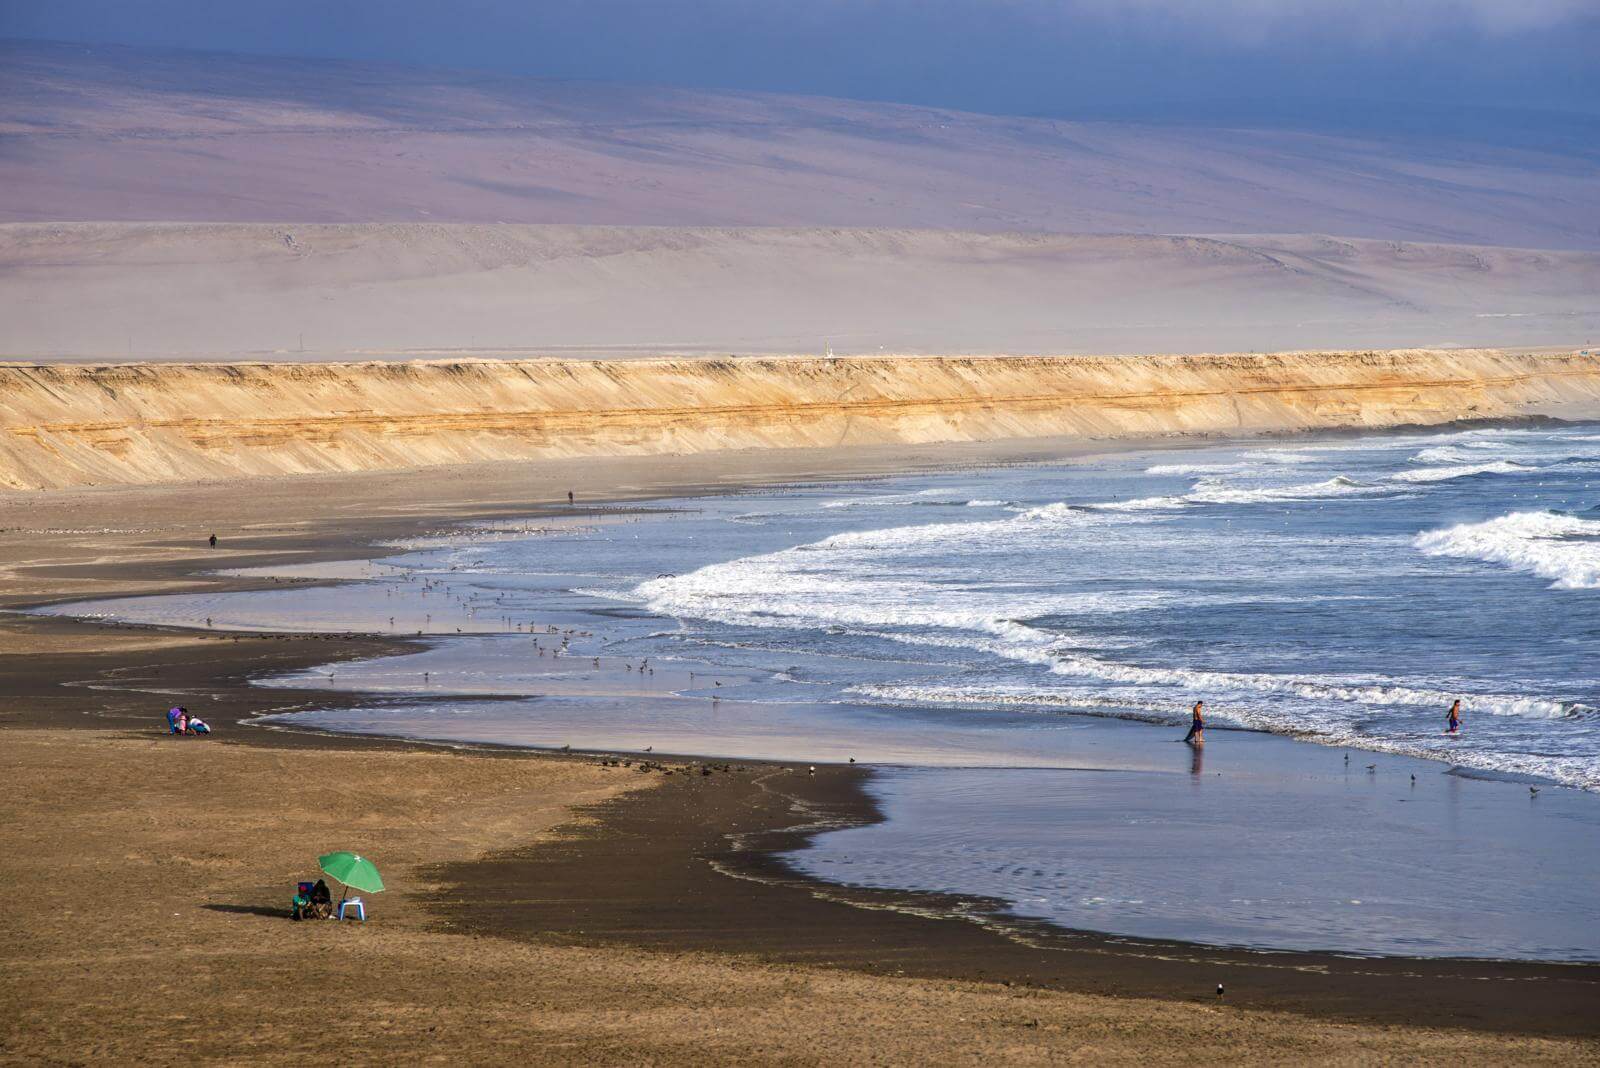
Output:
[[1020, 646]]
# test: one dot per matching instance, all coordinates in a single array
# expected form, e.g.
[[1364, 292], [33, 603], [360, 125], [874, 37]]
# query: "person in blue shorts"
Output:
[[1197, 725], [1455, 718]]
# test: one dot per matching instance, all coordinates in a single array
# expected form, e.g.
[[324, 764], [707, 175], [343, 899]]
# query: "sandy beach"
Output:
[[550, 908], [734, 509]]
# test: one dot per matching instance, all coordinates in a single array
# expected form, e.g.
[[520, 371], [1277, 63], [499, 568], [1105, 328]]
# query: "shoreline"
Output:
[[738, 888], [731, 893]]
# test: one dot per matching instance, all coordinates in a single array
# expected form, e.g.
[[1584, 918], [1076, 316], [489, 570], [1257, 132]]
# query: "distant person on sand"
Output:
[[1455, 718], [172, 719], [213, 541], [569, 496], [1197, 725], [198, 726]]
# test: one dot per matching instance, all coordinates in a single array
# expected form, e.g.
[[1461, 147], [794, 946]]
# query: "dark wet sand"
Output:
[[653, 869]]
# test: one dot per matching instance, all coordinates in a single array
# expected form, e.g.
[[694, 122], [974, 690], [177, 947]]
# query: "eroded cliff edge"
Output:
[[76, 425]]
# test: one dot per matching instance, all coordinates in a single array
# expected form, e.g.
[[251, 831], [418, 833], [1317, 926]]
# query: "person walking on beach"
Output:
[[213, 541], [1455, 718], [1197, 725]]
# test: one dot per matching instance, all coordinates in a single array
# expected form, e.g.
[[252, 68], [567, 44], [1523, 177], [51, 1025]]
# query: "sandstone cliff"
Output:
[[76, 425]]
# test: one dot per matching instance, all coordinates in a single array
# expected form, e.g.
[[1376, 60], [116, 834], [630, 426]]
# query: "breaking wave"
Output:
[[1562, 548], [1210, 491], [1445, 474]]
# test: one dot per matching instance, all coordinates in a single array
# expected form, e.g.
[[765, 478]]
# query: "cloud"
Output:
[[1259, 20]]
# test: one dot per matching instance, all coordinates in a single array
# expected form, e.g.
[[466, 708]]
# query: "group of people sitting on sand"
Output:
[[312, 902], [179, 721]]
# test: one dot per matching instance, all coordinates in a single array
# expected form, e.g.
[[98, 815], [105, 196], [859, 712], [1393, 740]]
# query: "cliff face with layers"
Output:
[[76, 425]]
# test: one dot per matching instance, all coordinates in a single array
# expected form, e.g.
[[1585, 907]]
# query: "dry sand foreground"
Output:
[[145, 880], [144, 875]]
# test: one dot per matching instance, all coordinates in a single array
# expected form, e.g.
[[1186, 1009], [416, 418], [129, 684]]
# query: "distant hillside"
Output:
[[122, 134]]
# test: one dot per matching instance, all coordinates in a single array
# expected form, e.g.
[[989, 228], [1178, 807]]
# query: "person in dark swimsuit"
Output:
[[1197, 726], [1455, 718]]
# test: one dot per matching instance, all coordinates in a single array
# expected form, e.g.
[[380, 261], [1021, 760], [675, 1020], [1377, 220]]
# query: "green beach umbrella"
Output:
[[353, 870]]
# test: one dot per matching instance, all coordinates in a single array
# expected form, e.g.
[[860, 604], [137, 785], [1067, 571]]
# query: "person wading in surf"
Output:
[[1455, 718], [1197, 726]]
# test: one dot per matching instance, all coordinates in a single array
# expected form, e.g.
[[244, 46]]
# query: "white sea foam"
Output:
[[1466, 452], [1316, 687], [1562, 548], [1142, 504], [870, 501], [1445, 474], [924, 498], [1013, 697], [1199, 469], [784, 589], [1211, 491]]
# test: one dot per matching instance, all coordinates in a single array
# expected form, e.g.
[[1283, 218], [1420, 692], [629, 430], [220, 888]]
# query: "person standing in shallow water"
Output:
[[1455, 718], [1197, 725]]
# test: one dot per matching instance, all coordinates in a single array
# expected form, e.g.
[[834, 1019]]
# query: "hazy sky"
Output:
[[1150, 58]]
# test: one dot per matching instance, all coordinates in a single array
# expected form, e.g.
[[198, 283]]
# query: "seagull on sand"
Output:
[[1372, 767], [649, 749]]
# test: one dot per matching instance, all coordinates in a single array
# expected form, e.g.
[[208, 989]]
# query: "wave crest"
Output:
[[1552, 545]]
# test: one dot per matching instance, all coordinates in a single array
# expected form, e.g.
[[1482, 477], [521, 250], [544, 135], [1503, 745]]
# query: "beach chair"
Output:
[[353, 903]]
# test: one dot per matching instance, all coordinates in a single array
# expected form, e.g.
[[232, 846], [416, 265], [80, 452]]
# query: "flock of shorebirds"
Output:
[[1372, 769]]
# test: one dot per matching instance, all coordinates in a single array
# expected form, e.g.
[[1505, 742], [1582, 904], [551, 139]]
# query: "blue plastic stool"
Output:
[[353, 902]]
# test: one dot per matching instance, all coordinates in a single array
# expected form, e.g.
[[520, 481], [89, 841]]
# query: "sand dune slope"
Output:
[[207, 291], [64, 425]]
